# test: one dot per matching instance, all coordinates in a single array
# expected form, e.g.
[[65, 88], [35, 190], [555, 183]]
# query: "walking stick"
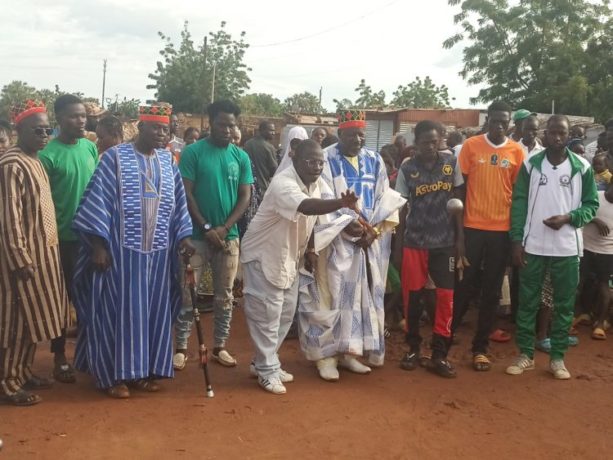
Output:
[[202, 350]]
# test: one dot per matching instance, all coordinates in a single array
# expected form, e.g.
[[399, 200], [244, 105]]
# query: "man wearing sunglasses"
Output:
[[278, 242], [70, 161], [32, 289]]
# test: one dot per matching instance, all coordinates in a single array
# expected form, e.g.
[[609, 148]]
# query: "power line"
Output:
[[338, 26]]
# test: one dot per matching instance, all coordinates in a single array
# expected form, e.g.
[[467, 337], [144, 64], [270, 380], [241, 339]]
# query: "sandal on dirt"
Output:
[[500, 336], [38, 383], [481, 363], [582, 320], [119, 391], [64, 373], [599, 334], [22, 398], [146, 385]]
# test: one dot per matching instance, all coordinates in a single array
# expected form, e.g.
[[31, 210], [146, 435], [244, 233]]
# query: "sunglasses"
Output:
[[43, 131]]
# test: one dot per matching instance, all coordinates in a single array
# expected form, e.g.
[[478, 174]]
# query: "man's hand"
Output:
[[310, 262], [367, 239], [101, 258], [215, 238], [354, 229], [603, 228], [461, 261], [519, 255], [557, 222], [26, 273], [186, 249], [349, 199]]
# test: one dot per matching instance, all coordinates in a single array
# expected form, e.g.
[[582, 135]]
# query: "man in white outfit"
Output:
[[278, 239]]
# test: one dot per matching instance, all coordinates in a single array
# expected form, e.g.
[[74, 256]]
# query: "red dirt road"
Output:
[[389, 414]]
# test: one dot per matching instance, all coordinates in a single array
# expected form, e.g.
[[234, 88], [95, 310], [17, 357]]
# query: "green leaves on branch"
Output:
[[420, 94], [305, 102], [184, 79], [533, 52]]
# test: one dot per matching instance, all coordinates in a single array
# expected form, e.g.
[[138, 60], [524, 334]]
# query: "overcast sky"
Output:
[[386, 42]]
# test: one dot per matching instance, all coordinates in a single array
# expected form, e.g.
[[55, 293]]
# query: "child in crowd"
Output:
[[602, 174]]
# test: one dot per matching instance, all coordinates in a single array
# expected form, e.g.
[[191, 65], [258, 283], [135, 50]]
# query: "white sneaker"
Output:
[[352, 364], [178, 361], [327, 369], [284, 376], [273, 385], [558, 369], [522, 363]]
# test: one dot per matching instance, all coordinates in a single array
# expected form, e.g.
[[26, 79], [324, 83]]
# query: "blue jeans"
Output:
[[224, 265]]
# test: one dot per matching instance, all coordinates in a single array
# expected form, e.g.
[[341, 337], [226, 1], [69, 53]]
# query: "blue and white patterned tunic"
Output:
[[137, 204], [341, 307]]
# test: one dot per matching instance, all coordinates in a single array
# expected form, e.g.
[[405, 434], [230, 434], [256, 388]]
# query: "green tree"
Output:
[[303, 103], [367, 98], [261, 104], [184, 79], [421, 94], [127, 108], [14, 93], [18, 91], [342, 104], [533, 52]]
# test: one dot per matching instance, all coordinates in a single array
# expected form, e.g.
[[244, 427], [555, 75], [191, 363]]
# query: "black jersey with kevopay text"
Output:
[[428, 224]]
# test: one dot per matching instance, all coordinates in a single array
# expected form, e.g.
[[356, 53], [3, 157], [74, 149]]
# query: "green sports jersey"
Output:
[[217, 173], [69, 167]]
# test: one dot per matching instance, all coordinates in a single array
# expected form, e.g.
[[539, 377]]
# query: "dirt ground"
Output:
[[389, 414]]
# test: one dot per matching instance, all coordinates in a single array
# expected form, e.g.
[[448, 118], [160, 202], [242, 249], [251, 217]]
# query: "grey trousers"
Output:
[[269, 312]]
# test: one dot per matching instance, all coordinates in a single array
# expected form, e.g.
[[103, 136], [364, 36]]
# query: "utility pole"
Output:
[[103, 81], [213, 83], [320, 90], [553, 107], [204, 50]]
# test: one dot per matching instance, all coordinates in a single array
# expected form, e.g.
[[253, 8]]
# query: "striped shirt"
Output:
[[28, 236]]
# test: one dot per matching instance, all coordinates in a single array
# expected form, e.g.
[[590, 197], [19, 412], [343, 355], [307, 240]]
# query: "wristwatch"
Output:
[[206, 227]]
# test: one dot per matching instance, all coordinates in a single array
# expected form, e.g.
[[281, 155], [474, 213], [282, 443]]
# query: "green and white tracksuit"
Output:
[[543, 191]]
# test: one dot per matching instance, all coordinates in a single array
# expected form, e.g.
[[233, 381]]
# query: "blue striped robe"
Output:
[[126, 313]]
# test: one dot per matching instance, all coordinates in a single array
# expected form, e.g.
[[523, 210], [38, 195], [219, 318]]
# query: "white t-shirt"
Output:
[[277, 236], [536, 149], [555, 198], [592, 239]]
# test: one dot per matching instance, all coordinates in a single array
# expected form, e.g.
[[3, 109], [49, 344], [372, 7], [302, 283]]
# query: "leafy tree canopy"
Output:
[[303, 103], [533, 52], [185, 80], [261, 104]]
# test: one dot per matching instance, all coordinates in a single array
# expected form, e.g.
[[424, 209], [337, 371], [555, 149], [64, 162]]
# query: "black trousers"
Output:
[[489, 249], [68, 258]]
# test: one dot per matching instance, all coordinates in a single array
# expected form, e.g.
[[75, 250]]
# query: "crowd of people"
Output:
[[326, 236]]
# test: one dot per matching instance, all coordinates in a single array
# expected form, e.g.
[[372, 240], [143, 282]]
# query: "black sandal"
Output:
[[64, 373], [38, 383], [22, 398]]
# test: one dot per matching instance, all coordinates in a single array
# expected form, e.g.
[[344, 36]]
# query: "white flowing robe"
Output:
[[340, 309]]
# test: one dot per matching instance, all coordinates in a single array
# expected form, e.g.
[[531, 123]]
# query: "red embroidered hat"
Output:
[[155, 113], [351, 118], [23, 110]]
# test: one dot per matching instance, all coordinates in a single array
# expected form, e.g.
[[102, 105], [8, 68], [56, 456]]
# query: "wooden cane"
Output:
[[190, 280]]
